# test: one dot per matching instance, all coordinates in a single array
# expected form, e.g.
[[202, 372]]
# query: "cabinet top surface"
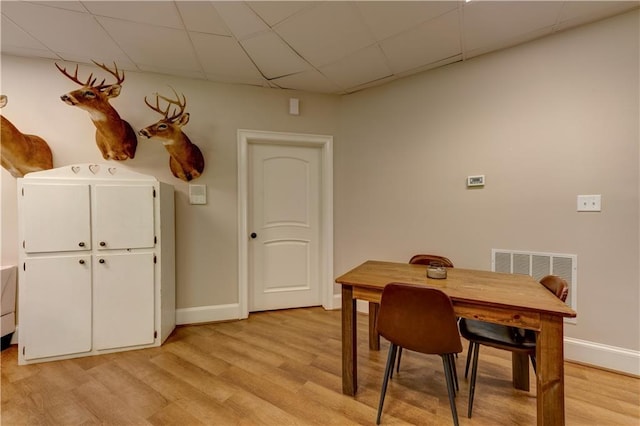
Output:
[[90, 171]]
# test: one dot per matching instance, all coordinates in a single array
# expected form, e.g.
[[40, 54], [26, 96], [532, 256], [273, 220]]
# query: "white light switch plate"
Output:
[[589, 203], [197, 194]]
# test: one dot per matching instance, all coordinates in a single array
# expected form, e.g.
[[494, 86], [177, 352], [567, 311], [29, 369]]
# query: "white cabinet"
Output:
[[55, 308], [96, 271]]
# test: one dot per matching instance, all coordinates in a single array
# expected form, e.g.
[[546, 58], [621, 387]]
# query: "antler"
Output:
[[91, 82], [181, 105], [114, 73]]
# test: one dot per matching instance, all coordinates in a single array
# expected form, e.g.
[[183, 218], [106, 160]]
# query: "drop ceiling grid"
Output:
[[329, 47]]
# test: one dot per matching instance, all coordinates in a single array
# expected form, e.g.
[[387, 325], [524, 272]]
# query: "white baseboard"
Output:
[[210, 313], [603, 356]]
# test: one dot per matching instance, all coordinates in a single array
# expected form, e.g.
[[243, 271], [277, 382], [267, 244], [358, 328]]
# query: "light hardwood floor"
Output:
[[283, 368]]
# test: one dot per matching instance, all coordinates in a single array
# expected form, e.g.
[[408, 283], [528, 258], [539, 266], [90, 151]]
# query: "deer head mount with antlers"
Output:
[[115, 138], [186, 160], [20, 153]]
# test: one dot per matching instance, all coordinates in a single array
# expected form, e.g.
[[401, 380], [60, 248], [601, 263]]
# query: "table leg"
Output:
[[349, 342], [550, 371], [520, 370], [374, 337]]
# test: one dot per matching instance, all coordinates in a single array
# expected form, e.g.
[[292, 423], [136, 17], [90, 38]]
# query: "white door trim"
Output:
[[246, 137]]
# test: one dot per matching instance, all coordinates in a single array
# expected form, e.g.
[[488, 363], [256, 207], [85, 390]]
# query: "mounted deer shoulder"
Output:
[[20, 153], [114, 136], [186, 160]]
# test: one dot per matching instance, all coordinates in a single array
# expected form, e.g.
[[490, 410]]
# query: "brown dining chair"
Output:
[[428, 259], [420, 319], [425, 259], [504, 337]]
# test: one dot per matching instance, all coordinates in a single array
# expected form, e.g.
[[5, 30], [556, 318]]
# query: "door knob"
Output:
[[81, 261], [81, 244], [254, 235], [102, 244], [101, 260]]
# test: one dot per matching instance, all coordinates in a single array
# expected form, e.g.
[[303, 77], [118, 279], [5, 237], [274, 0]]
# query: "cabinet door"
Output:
[[123, 300], [124, 217], [56, 217], [55, 314]]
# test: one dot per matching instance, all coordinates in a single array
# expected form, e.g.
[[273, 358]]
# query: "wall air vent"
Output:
[[538, 265]]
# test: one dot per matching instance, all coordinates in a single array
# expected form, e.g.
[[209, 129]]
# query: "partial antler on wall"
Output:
[[186, 160], [116, 139], [20, 153]]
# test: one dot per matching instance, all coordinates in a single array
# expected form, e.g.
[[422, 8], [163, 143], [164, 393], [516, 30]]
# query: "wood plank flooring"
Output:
[[283, 368]]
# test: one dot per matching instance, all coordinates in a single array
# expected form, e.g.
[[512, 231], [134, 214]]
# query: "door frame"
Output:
[[325, 142]]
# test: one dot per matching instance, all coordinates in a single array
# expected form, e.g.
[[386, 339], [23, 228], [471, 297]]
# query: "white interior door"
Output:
[[284, 226]]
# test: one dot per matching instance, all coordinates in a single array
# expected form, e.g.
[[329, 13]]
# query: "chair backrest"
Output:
[[427, 259], [557, 286], [418, 318]]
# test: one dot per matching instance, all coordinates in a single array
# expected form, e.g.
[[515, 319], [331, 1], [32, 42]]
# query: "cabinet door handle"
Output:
[[101, 260], [81, 244], [102, 244], [82, 261]]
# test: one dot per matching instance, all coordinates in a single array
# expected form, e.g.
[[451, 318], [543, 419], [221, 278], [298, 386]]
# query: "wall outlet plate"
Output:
[[477, 180], [589, 203]]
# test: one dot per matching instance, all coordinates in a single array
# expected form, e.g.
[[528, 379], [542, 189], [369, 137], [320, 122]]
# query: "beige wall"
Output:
[[206, 236], [544, 122]]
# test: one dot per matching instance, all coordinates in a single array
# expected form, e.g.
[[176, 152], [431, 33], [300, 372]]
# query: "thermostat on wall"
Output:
[[197, 194], [477, 180]]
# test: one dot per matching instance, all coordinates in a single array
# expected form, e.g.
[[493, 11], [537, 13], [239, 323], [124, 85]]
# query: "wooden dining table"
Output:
[[510, 299]]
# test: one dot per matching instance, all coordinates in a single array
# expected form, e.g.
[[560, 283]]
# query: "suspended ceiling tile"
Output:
[[56, 27], [502, 44], [326, 33], [195, 74], [272, 56], [274, 12], [311, 81], [238, 79], [362, 67], [433, 65], [583, 12], [28, 52], [153, 46], [388, 18], [241, 20], [68, 5], [224, 57], [202, 17], [13, 35], [160, 13], [486, 24], [373, 83], [432, 41]]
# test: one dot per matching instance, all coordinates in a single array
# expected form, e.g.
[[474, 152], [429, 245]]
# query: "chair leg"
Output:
[[474, 374], [385, 381], [399, 358], [446, 362], [454, 371], [469, 354], [533, 362]]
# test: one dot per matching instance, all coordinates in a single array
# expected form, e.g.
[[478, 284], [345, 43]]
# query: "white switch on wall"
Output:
[[589, 203], [197, 194]]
